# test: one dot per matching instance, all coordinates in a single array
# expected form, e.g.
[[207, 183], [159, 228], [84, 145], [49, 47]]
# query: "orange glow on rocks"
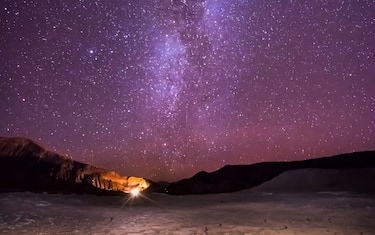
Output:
[[115, 182]]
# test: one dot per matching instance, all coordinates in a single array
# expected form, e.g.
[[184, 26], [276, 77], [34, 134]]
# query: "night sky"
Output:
[[166, 88]]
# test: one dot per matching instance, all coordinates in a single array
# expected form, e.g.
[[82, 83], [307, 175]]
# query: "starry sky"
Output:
[[166, 88]]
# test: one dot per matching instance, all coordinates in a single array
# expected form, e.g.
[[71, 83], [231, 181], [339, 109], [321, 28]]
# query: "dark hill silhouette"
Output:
[[232, 178], [26, 166]]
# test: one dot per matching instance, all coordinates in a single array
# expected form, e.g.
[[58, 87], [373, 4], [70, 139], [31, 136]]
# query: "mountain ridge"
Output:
[[232, 178], [26, 166]]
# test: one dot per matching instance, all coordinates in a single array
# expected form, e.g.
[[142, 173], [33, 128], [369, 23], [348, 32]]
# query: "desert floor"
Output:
[[244, 212]]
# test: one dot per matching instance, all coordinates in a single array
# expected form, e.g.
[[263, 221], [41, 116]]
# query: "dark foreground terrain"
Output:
[[334, 195], [245, 212]]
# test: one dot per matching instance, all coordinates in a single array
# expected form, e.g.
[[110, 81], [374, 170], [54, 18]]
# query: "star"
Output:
[[165, 89]]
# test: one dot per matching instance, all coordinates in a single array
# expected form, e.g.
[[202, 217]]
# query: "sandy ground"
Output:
[[244, 212]]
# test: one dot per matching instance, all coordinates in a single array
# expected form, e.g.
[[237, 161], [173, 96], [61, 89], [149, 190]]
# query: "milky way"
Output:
[[166, 88]]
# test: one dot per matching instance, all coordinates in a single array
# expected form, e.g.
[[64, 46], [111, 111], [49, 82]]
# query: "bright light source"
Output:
[[134, 192]]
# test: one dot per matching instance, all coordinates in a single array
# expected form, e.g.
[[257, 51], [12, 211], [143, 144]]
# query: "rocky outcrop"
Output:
[[25, 165]]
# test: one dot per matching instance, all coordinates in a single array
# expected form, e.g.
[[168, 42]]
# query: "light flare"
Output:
[[134, 192]]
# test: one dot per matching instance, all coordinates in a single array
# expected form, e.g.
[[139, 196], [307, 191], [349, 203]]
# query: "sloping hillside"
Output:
[[25, 165], [237, 177]]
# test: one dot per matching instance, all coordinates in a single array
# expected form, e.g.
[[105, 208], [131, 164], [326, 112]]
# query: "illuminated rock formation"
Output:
[[25, 165]]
